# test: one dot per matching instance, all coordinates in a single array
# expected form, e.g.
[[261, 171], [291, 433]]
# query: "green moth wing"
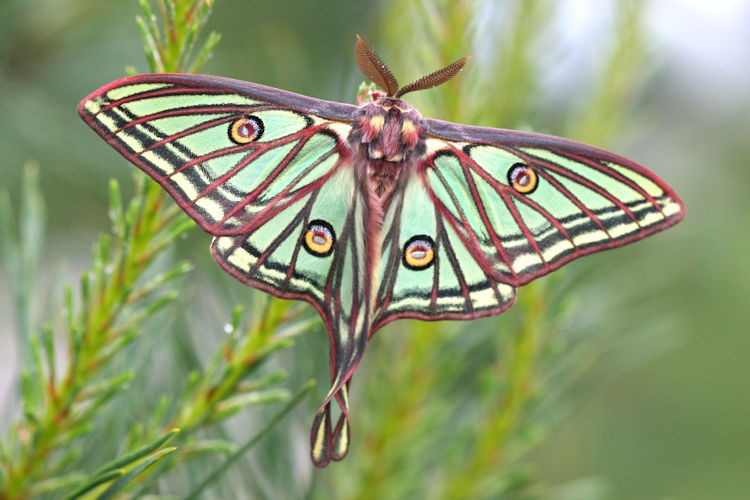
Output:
[[427, 271], [231, 154], [259, 168], [292, 256], [528, 203]]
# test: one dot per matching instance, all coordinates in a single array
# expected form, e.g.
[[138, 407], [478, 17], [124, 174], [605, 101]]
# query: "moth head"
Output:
[[373, 67]]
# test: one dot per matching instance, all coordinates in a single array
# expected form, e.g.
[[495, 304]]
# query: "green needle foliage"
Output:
[[466, 402], [442, 410], [104, 317]]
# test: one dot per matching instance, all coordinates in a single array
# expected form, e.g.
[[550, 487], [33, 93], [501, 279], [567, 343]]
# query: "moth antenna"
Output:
[[434, 79], [374, 68]]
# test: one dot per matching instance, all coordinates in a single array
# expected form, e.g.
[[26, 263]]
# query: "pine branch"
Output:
[[105, 315], [466, 403]]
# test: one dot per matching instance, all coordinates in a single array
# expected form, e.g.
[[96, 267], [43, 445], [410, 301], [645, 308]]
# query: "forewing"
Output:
[[447, 283], [185, 131], [584, 200]]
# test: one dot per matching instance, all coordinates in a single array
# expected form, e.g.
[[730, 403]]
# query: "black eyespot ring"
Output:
[[246, 129], [419, 252], [319, 238], [522, 178]]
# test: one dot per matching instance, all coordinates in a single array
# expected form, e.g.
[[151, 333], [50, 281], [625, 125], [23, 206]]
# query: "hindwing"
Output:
[[427, 271]]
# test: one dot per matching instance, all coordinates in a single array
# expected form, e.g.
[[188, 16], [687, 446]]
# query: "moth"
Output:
[[372, 213]]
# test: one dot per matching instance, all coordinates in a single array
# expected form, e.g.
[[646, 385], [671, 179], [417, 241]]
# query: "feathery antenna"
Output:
[[373, 67], [434, 79]]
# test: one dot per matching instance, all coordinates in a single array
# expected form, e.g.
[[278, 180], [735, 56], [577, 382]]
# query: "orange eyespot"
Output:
[[522, 178], [419, 252], [319, 238], [246, 129]]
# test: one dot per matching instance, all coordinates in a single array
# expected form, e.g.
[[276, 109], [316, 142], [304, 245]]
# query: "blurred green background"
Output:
[[662, 407]]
